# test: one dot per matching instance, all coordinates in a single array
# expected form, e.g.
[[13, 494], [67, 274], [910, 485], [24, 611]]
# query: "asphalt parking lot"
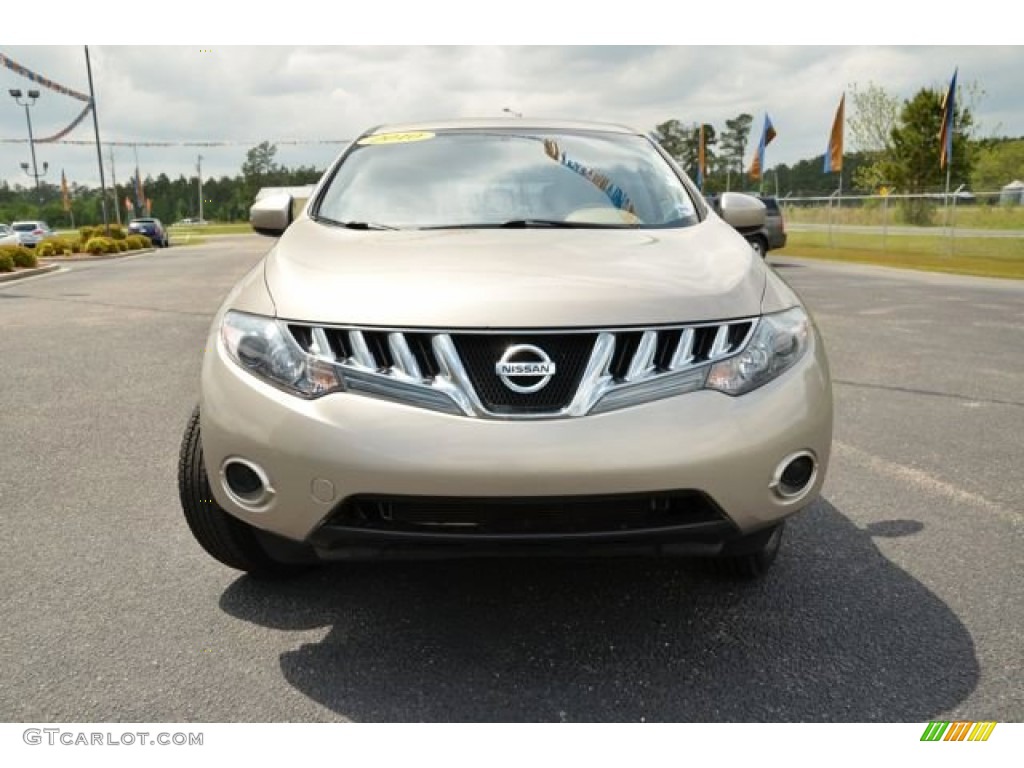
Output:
[[897, 596]]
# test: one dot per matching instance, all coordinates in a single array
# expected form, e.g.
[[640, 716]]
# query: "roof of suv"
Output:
[[503, 122]]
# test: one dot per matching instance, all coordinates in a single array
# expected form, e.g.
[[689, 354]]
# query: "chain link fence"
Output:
[[983, 225]]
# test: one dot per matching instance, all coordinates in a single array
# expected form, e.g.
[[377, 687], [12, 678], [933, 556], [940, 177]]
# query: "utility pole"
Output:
[[99, 150], [199, 172], [113, 180]]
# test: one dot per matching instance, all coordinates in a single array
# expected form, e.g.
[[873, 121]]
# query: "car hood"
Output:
[[513, 278]]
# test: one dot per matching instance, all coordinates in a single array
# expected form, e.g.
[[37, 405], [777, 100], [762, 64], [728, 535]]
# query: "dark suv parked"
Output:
[[768, 237], [151, 228]]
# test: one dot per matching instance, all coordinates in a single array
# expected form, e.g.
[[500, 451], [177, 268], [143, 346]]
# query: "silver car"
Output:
[[505, 337], [8, 236], [31, 233]]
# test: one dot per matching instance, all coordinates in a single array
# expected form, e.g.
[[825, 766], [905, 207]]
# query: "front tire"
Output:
[[225, 538], [750, 556]]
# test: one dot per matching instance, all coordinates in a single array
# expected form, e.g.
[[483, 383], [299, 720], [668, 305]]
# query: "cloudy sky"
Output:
[[246, 94]]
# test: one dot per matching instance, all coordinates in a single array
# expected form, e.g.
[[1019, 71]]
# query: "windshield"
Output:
[[505, 178], [28, 226]]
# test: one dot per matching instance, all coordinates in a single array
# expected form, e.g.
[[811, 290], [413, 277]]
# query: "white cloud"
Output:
[[247, 94]]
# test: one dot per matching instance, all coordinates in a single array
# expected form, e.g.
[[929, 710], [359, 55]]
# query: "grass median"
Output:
[[996, 217], [236, 228], [984, 256]]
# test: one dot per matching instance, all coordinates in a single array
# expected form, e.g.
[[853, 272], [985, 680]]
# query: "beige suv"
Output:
[[505, 337]]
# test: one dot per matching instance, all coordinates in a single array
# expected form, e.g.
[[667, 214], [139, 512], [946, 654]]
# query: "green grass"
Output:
[[178, 241], [233, 228], [236, 228], [990, 217], [872, 214], [989, 257]]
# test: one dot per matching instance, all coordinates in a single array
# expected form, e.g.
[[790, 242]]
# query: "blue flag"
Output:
[[946, 134]]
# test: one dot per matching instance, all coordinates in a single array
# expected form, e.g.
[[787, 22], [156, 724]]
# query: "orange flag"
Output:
[[834, 153]]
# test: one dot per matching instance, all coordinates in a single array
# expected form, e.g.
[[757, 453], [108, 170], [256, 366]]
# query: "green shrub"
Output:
[[98, 245], [20, 256], [122, 245], [77, 245], [6, 262], [138, 242], [117, 232], [62, 245], [26, 259]]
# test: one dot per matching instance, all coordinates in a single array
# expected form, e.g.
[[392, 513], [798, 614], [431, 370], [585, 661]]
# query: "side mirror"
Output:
[[272, 214], [742, 211]]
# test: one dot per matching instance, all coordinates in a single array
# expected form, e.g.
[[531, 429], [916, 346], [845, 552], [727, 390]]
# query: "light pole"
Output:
[[512, 112], [37, 176], [199, 175], [30, 101]]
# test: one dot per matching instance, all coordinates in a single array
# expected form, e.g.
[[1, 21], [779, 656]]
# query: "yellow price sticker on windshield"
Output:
[[397, 138]]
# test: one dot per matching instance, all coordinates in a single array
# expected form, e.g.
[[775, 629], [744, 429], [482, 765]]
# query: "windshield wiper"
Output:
[[354, 224], [529, 223], [534, 224]]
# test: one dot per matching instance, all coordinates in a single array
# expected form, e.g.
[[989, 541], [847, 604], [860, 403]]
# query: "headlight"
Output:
[[264, 348], [778, 342]]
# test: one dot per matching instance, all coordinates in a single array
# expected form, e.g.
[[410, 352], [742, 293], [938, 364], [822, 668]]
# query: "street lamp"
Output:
[[30, 101], [512, 112], [30, 174]]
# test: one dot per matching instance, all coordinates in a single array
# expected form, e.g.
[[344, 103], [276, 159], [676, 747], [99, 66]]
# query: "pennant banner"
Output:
[[40, 80], [74, 124], [767, 134], [834, 152], [140, 195], [64, 194], [222, 143], [948, 113], [702, 161]]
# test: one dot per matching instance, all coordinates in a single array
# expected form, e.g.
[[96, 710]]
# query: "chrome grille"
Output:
[[569, 351], [601, 370]]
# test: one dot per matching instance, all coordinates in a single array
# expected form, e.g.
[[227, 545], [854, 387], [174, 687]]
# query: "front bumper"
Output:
[[318, 454]]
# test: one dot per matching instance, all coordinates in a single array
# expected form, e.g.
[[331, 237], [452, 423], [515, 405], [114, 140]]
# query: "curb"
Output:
[[56, 260], [931, 275], [6, 277]]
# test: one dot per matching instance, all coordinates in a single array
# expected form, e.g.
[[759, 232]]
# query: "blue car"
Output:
[[151, 228]]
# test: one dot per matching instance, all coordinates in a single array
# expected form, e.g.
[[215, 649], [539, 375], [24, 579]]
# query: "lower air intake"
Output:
[[529, 515]]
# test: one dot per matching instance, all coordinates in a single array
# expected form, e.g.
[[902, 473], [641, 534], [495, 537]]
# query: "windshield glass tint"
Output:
[[489, 178]]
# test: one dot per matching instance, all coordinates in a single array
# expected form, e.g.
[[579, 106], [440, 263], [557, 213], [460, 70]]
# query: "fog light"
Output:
[[795, 474], [246, 482]]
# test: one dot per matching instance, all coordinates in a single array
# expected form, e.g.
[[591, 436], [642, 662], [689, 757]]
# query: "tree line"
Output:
[[892, 144], [224, 199]]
